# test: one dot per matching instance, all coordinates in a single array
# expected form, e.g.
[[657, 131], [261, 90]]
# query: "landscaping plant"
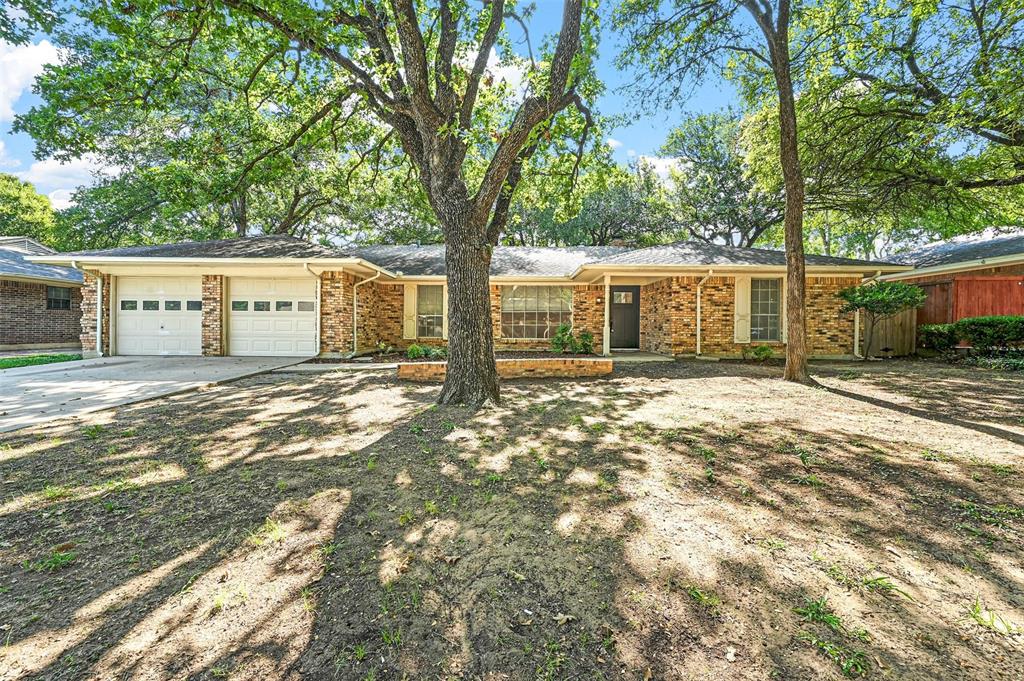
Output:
[[881, 300]]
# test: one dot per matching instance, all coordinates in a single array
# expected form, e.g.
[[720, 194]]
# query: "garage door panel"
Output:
[[153, 316], [265, 319]]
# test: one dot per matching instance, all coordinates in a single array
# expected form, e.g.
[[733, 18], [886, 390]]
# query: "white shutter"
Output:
[[444, 311], [782, 311], [409, 312], [741, 316]]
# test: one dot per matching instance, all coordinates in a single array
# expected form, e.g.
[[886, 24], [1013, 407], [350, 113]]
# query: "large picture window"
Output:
[[58, 298], [429, 311], [534, 311], [765, 307]]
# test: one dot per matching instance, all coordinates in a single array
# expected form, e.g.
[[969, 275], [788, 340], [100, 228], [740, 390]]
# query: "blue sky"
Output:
[[640, 137]]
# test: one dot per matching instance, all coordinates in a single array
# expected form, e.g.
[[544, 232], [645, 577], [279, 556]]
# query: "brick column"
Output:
[[88, 335], [336, 313], [213, 315]]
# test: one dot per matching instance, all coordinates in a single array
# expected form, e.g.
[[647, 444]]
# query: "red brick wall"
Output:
[[213, 315], [88, 335], [380, 315], [24, 319]]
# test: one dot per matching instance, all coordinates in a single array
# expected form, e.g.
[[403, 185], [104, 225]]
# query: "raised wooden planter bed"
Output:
[[543, 367]]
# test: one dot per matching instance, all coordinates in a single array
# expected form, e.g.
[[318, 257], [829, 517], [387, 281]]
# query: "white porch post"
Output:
[[607, 336]]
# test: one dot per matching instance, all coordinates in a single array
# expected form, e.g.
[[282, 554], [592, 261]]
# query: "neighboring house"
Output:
[[40, 305], [281, 296], [968, 277]]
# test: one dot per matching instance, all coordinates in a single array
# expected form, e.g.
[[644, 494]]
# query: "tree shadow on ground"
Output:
[[661, 523]]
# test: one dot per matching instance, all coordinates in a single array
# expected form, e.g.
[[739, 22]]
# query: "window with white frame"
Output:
[[534, 311], [429, 311], [765, 309]]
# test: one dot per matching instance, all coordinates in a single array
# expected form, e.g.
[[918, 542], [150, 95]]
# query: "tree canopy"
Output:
[[25, 212]]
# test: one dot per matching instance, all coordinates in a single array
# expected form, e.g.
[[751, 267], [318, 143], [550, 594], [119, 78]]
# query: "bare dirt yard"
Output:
[[672, 521]]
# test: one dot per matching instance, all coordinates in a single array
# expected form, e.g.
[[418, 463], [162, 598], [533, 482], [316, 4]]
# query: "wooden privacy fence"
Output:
[[897, 334]]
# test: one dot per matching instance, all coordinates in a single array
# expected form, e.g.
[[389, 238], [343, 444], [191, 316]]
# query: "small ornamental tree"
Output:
[[881, 300]]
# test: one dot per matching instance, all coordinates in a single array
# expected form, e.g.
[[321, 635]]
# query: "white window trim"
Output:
[[410, 313]]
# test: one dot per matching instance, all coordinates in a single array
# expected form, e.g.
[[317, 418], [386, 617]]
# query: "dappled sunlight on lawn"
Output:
[[664, 522]]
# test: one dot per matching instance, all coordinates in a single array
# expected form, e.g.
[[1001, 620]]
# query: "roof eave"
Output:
[[952, 268], [84, 261], [40, 280], [613, 268]]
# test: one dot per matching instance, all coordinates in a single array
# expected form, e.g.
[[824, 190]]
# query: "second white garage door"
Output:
[[272, 317]]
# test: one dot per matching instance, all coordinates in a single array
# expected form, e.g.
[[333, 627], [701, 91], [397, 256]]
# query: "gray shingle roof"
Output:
[[425, 261], [965, 250], [687, 253], [272, 246], [13, 263]]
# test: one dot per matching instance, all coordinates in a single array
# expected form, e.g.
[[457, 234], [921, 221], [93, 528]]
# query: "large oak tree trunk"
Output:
[[472, 376], [793, 223]]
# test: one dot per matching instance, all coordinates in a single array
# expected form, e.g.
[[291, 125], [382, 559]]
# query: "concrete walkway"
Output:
[[36, 394]]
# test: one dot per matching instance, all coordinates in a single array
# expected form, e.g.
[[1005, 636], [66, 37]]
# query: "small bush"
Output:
[[939, 337], [415, 351], [564, 341], [762, 353], [431, 352], [987, 334]]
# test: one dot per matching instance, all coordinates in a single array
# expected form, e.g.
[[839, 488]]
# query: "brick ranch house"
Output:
[[40, 305], [282, 296], [968, 277]]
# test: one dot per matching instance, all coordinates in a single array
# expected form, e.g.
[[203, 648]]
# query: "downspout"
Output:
[[856, 320], [99, 314], [607, 332], [700, 284], [355, 311], [305, 266]]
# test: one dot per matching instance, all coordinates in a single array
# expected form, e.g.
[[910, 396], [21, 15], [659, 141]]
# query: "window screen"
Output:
[[765, 305], [534, 311], [58, 298], [429, 311]]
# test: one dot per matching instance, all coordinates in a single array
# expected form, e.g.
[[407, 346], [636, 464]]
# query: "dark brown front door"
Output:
[[625, 317]]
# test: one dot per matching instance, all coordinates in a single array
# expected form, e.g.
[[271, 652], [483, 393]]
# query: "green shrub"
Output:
[[986, 334], [586, 343], [762, 352], [564, 341], [415, 351], [435, 352], [940, 337]]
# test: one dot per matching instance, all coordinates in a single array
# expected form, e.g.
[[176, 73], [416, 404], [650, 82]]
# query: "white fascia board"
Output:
[[677, 270], [85, 262], [953, 268]]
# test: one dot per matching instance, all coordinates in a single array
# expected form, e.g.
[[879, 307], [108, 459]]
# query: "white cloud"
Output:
[[631, 153], [613, 143], [510, 71], [661, 165], [19, 65], [51, 176], [61, 198]]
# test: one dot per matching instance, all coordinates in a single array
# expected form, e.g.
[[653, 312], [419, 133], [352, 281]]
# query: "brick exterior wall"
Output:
[[25, 321], [336, 312], [88, 326], [515, 368], [668, 317], [213, 315]]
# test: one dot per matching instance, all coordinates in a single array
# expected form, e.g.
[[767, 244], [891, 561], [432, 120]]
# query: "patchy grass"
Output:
[[668, 522], [32, 360]]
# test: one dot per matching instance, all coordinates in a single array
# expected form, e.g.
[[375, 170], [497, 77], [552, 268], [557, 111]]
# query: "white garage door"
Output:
[[159, 316], [272, 317]]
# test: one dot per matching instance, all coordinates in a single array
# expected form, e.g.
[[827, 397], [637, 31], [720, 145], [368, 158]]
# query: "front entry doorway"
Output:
[[625, 317]]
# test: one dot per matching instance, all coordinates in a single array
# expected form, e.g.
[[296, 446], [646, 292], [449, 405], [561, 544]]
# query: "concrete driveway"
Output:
[[36, 394]]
